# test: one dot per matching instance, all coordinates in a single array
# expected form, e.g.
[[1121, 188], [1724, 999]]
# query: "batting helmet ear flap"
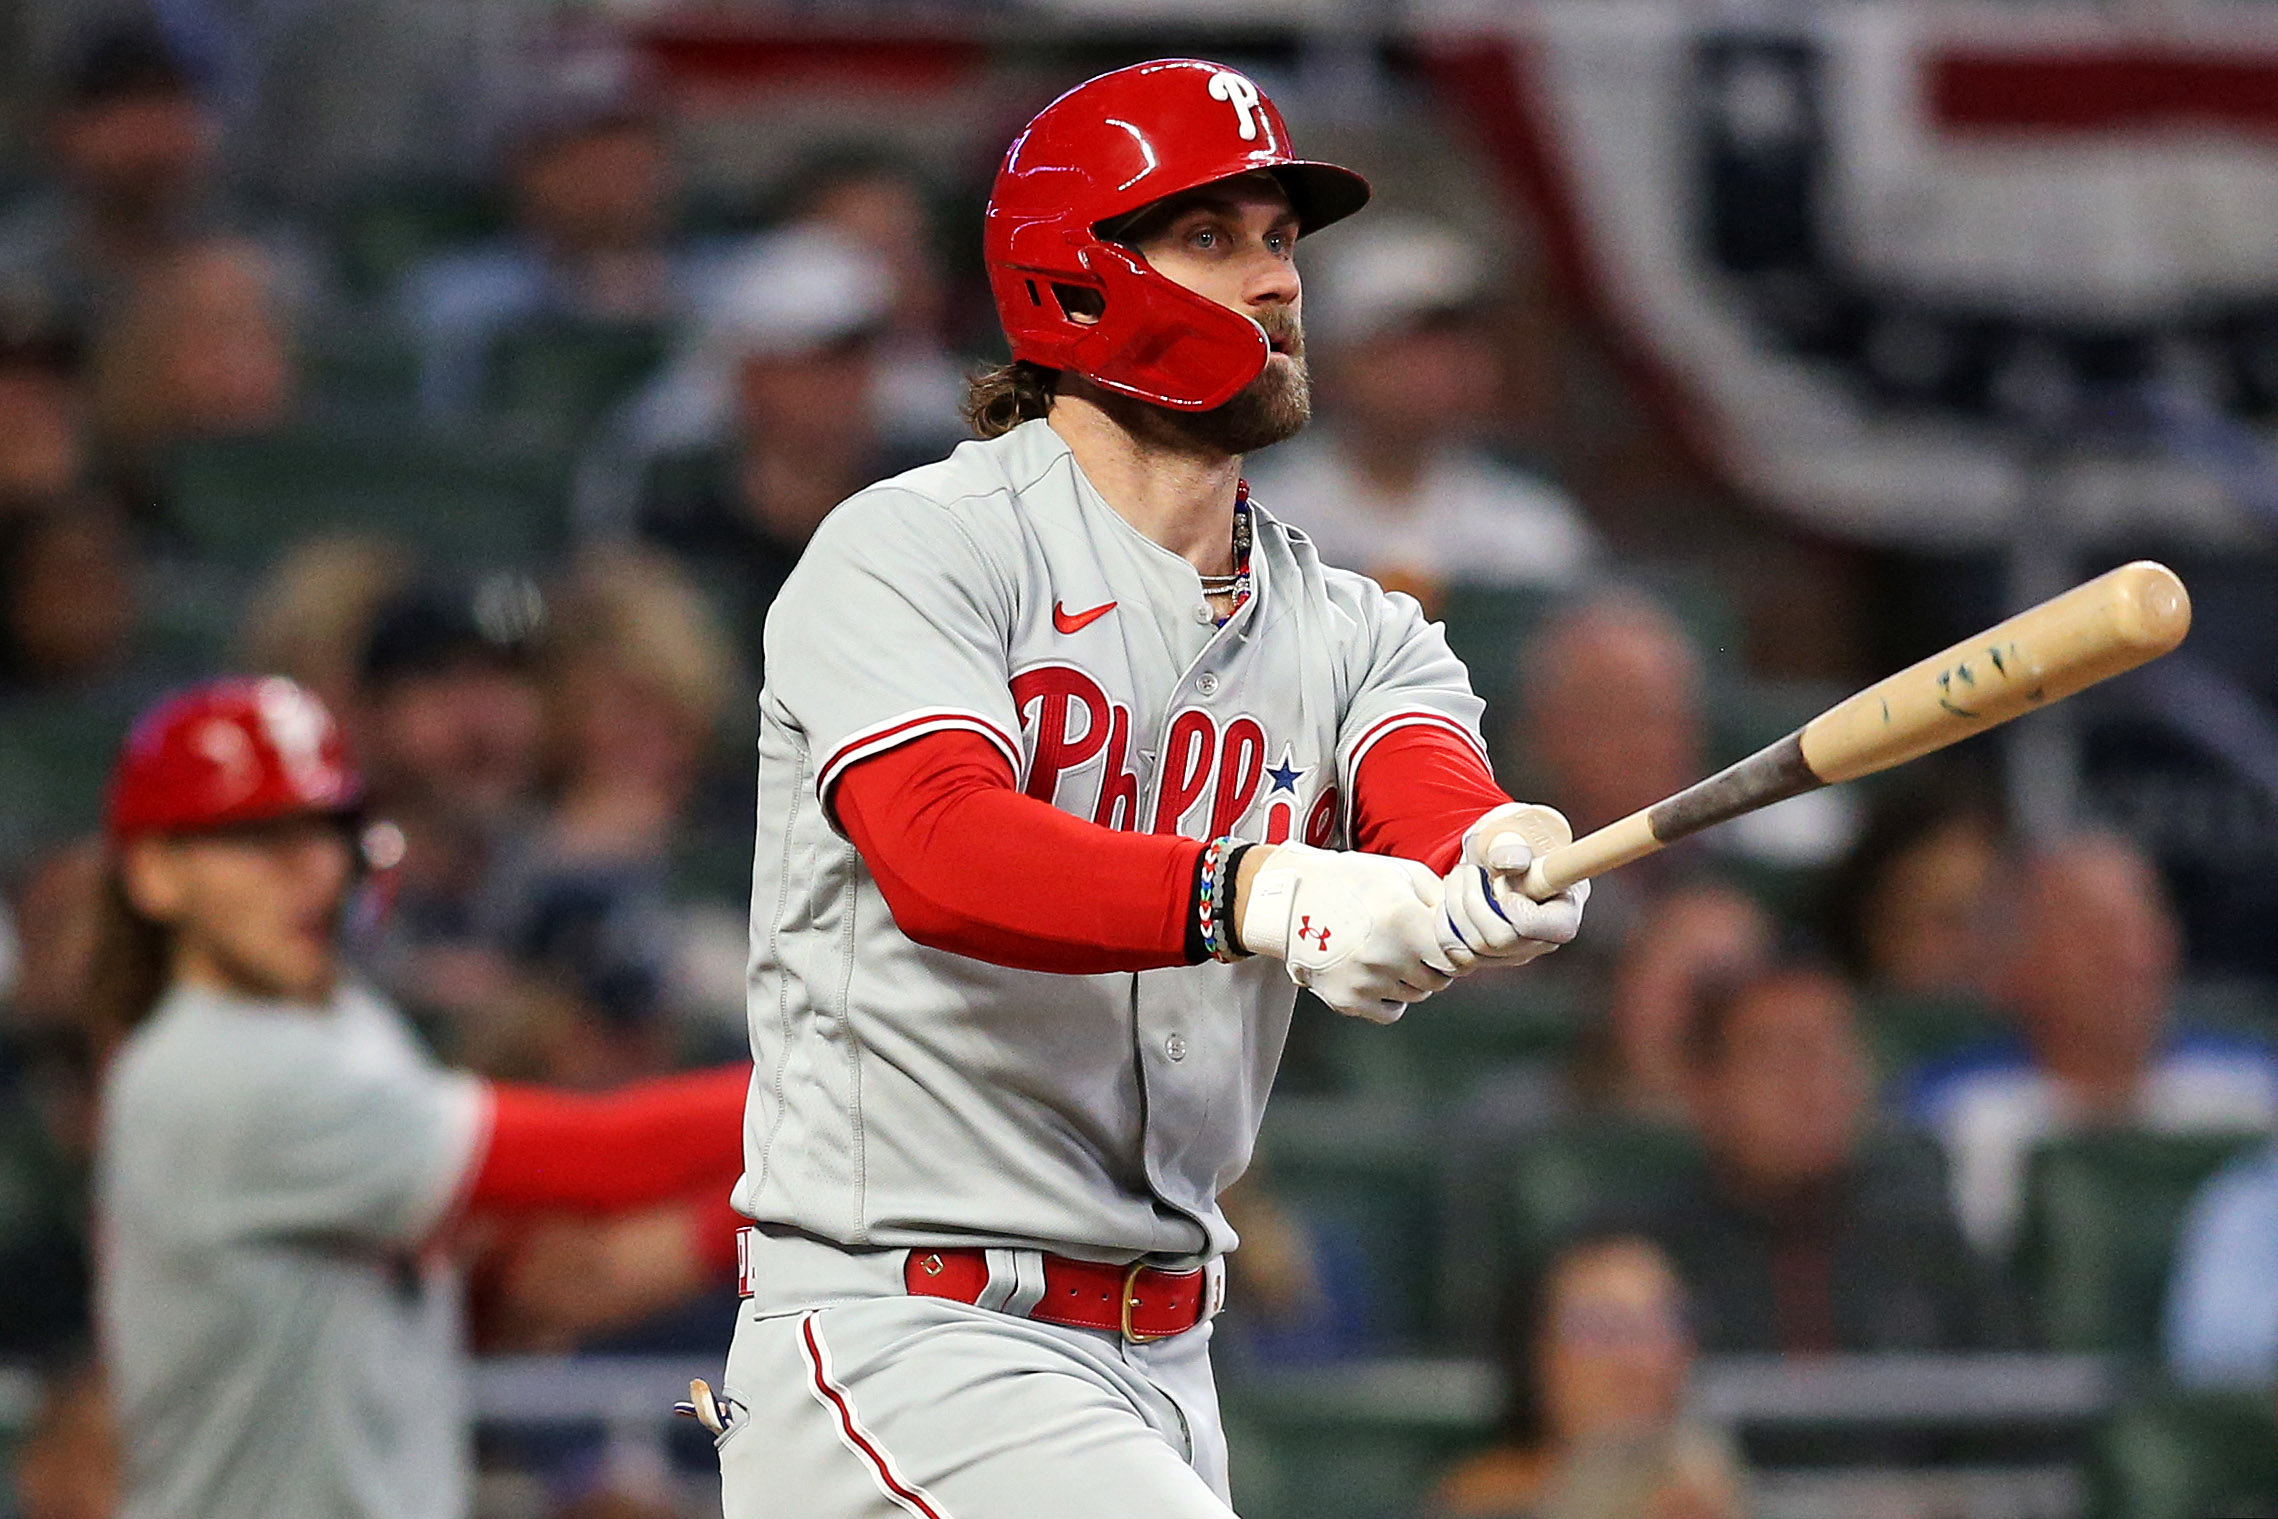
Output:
[[1155, 339]]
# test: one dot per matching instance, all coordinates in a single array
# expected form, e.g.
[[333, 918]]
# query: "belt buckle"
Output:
[[1132, 1336]]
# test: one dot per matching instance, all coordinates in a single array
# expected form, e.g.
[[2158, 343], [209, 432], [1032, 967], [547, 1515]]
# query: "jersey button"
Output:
[[1175, 1047], [1202, 612], [1207, 684]]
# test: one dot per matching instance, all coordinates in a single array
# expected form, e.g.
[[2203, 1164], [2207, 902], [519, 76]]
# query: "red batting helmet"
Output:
[[1102, 151], [229, 752]]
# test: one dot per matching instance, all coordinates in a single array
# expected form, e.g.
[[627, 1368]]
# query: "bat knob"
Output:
[[1544, 829]]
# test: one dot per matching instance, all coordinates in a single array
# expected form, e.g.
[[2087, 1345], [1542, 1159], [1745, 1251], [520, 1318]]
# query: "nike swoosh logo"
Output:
[[1075, 622]]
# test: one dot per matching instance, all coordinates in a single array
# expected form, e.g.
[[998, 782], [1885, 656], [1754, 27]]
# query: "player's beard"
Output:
[[1273, 407]]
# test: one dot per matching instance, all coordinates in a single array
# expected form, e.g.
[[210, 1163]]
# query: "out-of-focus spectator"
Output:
[[68, 1464], [48, 1059], [1596, 1362], [2089, 976], [68, 597], [201, 348], [1393, 480], [1694, 937], [2222, 1302], [43, 415], [594, 184], [880, 203], [54, 912], [641, 680], [614, 1503], [454, 716], [1798, 1236], [788, 350], [1907, 908], [130, 154], [1611, 718], [313, 615], [73, 665]]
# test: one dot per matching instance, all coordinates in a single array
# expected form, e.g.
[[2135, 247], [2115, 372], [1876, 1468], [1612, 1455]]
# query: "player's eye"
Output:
[[1203, 237]]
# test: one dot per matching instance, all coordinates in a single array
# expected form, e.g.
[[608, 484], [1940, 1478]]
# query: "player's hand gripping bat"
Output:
[[2092, 632]]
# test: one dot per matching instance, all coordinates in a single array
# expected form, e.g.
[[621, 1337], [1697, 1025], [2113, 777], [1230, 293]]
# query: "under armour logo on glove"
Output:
[[1319, 936], [1242, 96]]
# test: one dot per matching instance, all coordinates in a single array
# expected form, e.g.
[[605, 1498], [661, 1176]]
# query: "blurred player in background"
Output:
[[281, 1168]]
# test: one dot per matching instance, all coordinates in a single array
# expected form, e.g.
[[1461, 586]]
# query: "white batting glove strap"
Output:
[[1363, 932], [1487, 907]]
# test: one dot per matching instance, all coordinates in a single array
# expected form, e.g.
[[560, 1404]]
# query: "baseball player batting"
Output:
[[279, 1165], [1074, 764]]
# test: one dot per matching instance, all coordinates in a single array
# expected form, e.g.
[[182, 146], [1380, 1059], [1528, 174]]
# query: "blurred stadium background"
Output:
[[484, 363]]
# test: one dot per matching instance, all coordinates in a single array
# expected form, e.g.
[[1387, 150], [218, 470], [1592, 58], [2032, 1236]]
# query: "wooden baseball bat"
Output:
[[2094, 631]]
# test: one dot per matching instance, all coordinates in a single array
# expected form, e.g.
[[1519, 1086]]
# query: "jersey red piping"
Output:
[[913, 1500], [1386, 725], [880, 737]]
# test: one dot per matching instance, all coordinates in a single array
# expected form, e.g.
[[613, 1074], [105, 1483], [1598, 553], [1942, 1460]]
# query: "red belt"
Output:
[[1137, 1301]]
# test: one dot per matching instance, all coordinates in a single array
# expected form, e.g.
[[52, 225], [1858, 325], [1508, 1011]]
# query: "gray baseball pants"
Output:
[[871, 1404]]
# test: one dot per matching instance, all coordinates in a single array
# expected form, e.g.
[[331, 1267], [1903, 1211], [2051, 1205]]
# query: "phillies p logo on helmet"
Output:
[[1242, 96]]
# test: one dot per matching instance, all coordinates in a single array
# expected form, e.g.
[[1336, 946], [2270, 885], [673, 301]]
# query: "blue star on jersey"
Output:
[[1285, 776]]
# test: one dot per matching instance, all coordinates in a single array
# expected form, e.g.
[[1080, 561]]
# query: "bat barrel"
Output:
[[2092, 632]]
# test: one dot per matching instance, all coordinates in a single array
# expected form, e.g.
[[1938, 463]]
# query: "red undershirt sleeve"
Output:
[[1418, 788], [970, 865], [649, 1143]]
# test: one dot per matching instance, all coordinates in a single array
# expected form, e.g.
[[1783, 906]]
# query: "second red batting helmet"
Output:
[[230, 752], [1101, 151]]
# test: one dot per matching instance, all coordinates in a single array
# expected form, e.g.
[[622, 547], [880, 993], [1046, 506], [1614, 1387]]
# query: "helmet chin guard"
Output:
[[1103, 150]]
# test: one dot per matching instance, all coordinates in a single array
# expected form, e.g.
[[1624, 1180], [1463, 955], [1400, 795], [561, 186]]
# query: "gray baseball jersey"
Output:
[[277, 1342], [907, 1095]]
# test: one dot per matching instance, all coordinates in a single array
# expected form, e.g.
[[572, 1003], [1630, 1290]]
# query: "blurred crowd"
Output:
[[511, 480]]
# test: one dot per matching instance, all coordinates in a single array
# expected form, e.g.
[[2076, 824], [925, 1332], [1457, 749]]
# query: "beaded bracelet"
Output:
[[1230, 876], [1214, 900]]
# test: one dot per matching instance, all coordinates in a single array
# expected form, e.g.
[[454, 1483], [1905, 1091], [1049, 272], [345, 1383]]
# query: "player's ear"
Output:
[[152, 874]]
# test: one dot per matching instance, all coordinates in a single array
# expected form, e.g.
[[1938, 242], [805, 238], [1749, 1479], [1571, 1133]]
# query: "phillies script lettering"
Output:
[[1213, 774]]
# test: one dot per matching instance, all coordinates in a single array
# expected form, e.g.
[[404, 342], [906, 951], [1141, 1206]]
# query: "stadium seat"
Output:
[[361, 367], [379, 234], [1485, 626], [1480, 1025], [2237, 1005], [479, 500], [1362, 1174], [55, 752], [1370, 1442], [1746, 713], [1588, 1170], [1909, 1030], [556, 378], [2101, 1215], [2188, 1457]]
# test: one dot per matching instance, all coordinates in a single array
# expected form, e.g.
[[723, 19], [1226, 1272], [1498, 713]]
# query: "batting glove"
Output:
[[1363, 931], [1488, 908]]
